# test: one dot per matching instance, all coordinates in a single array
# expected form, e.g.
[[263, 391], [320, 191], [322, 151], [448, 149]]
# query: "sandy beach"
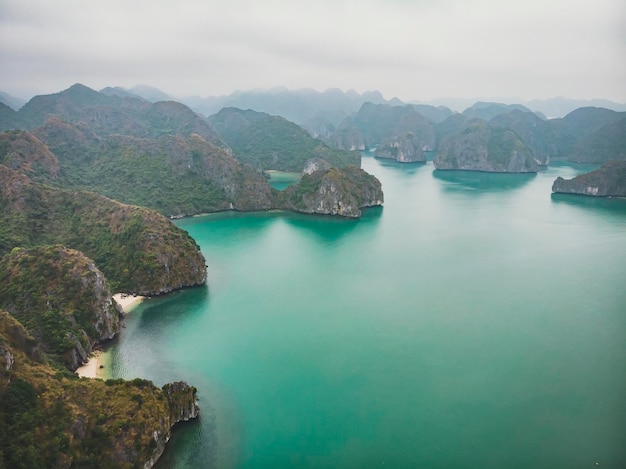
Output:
[[95, 367], [128, 302]]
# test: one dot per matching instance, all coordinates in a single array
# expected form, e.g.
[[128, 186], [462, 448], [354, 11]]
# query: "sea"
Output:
[[476, 320]]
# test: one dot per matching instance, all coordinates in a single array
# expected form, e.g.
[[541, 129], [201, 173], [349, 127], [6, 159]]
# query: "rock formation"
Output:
[[608, 180], [62, 298], [334, 191], [51, 418], [480, 147], [404, 149]]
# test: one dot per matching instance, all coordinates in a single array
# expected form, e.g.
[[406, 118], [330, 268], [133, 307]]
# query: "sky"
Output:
[[410, 49]]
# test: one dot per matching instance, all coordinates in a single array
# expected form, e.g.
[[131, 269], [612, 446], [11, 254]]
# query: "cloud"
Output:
[[412, 49]]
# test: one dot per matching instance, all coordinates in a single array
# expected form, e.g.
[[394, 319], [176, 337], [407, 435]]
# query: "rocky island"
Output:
[[481, 147], [607, 181], [332, 191]]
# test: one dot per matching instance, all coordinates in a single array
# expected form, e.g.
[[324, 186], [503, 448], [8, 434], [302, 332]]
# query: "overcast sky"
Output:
[[412, 49]]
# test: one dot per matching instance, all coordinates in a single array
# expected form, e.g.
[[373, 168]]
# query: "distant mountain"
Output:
[[388, 126], [150, 93], [488, 110], [559, 107], [586, 120], [479, 146], [162, 156], [272, 142], [543, 138], [605, 144], [434, 114], [111, 114], [318, 112], [11, 101], [119, 91], [550, 108]]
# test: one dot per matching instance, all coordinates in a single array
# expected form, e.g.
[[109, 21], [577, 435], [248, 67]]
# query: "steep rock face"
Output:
[[347, 137], [61, 297], [315, 164], [608, 180], [182, 403], [480, 147], [380, 122], [404, 149], [542, 138], [113, 423], [342, 192], [138, 250]]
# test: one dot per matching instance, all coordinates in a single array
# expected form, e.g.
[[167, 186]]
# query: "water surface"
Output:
[[474, 321]]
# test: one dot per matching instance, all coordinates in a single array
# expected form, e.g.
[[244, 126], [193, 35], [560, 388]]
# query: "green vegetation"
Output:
[[271, 142], [61, 298], [51, 418], [138, 250], [335, 191]]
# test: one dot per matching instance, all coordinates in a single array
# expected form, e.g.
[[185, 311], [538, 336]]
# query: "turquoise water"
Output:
[[474, 321]]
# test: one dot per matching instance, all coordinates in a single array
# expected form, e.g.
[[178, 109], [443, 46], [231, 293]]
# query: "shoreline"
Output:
[[96, 366]]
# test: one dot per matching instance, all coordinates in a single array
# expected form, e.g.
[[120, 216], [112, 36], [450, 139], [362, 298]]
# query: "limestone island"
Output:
[[481, 147], [609, 180]]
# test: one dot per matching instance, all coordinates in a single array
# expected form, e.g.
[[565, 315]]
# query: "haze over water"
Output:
[[474, 321]]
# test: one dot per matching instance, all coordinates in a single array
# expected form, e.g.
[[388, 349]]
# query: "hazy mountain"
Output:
[[272, 142], [11, 101], [383, 124], [551, 108], [108, 114], [488, 110], [318, 112], [544, 139], [150, 93], [605, 144], [559, 107], [119, 91], [584, 121], [434, 114]]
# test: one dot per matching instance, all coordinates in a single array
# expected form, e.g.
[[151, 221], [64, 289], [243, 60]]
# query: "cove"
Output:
[[473, 321]]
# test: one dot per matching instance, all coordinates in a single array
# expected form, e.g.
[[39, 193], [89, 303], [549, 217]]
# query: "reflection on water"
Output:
[[449, 329], [482, 181], [608, 205]]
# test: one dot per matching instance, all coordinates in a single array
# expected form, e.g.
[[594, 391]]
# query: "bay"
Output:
[[473, 321]]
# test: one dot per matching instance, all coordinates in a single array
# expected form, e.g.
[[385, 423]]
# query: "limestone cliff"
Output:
[[62, 298], [334, 191], [608, 180], [480, 147], [51, 418], [404, 149], [348, 137]]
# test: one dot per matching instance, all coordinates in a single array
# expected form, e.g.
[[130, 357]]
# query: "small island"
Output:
[[609, 180]]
